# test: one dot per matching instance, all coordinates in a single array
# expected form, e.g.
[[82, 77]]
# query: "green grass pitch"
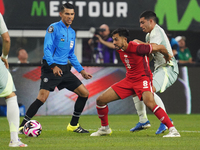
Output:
[[55, 137]]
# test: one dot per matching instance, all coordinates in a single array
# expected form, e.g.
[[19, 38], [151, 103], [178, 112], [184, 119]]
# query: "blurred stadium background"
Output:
[[27, 21]]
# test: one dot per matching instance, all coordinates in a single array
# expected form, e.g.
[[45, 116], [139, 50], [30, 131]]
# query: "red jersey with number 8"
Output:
[[138, 76]]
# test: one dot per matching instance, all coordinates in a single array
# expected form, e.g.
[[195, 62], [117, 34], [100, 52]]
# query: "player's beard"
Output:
[[118, 47], [121, 47]]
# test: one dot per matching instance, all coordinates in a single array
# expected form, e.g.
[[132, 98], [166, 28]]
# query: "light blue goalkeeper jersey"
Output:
[[59, 45]]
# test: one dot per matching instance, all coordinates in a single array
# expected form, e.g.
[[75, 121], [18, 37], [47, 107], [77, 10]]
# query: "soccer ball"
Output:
[[32, 128]]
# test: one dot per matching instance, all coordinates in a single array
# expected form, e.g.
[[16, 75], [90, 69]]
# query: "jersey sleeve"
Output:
[[49, 44], [143, 49], [73, 59]]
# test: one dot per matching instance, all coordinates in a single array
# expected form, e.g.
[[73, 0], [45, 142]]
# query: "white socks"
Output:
[[13, 117], [159, 101], [141, 107]]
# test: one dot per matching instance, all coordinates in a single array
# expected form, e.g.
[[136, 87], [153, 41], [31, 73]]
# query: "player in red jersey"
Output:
[[138, 81]]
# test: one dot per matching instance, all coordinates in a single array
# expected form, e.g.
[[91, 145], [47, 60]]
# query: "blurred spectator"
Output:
[[105, 52], [174, 44], [184, 54], [22, 56]]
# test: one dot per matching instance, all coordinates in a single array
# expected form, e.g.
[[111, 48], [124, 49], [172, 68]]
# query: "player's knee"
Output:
[[82, 91], [42, 97], [84, 94], [100, 102]]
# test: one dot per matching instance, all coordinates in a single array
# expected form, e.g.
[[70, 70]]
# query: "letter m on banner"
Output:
[[2, 9], [38, 8]]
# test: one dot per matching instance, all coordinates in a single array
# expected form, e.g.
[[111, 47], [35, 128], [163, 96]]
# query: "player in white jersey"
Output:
[[164, 75], [7, 88]]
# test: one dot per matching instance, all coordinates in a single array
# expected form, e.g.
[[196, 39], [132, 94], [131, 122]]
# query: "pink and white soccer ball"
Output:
[[32, 128]]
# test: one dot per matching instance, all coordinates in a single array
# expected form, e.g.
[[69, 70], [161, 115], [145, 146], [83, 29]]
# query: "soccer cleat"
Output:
[[173, 133], [102, 131], [140, 126], [17, 144], [21, 130], [77, 129], [162, 128]]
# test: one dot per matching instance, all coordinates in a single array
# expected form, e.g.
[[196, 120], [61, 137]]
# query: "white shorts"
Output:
[[6, 82], [164, 77]]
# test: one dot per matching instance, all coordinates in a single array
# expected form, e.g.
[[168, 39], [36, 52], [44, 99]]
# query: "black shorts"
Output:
[[49, 81]]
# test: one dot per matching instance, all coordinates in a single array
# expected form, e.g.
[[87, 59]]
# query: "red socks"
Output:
[[158, 111], [162, 116], [103, 114]]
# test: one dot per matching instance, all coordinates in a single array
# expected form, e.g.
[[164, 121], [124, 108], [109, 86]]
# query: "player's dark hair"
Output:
[[149, 15], [66, 5], [157, 20], [122, 32]]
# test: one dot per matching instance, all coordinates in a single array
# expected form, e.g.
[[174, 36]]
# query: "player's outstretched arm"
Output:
[[143, 49], [161, 49]]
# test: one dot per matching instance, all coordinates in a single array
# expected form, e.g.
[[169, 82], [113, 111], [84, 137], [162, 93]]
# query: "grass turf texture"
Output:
[[55, 137]]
